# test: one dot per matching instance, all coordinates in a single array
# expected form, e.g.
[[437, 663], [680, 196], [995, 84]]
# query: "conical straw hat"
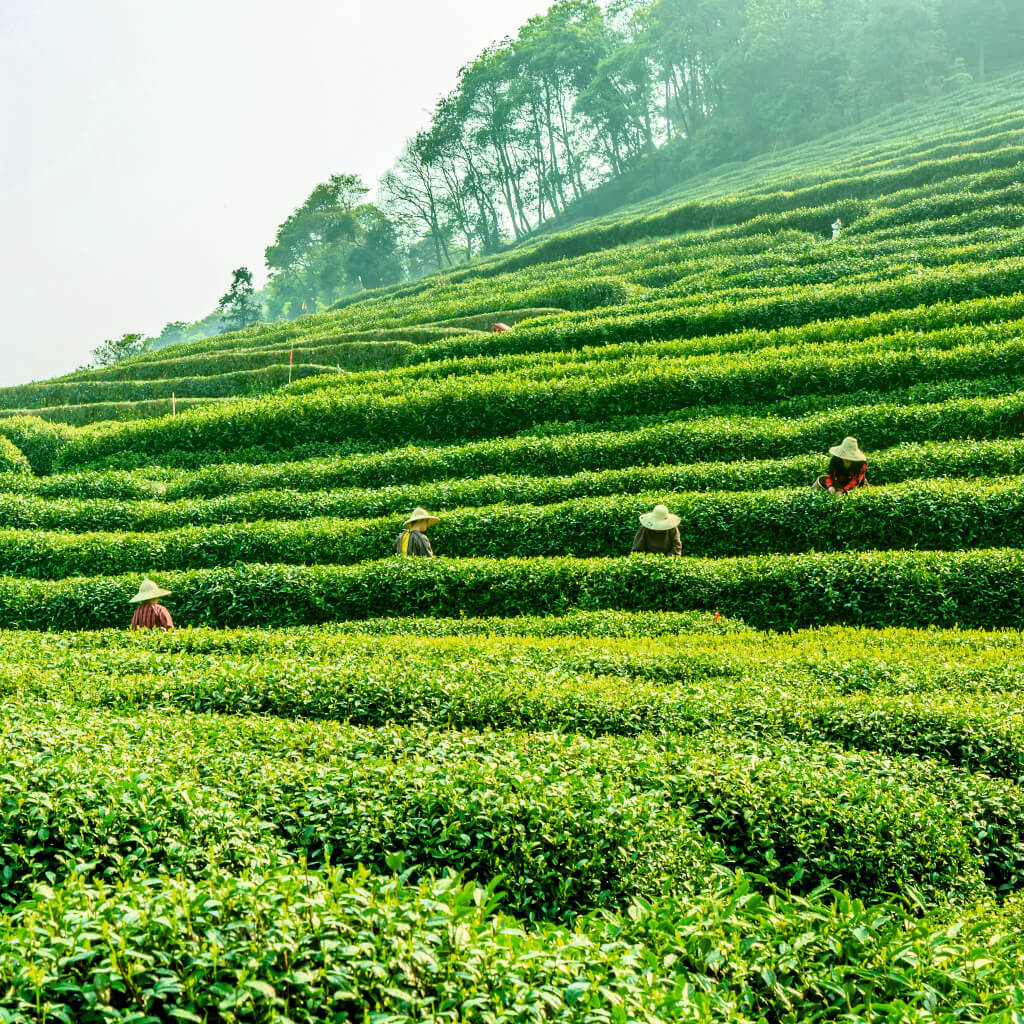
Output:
[[849, 450], [659, 519], [419, 514], [148, 590]]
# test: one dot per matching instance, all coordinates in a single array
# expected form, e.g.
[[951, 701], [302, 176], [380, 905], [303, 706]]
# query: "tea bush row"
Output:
[[99, 412], [241, 350], [12, 459], [966, 716], [232, 493], [252, 797], [935, 459], [784, 307], [103, 392], [349, 355], [463, 409], [614, 819], [942, 516], [925, 317], [876, 589], [713, 368], [878, 425], [172, 461]]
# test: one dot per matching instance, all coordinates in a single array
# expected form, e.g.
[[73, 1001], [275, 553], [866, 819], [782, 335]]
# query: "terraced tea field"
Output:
[[537, 778]]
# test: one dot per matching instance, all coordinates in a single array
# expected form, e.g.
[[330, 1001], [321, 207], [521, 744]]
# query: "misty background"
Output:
[[162, 162], [148, 149]]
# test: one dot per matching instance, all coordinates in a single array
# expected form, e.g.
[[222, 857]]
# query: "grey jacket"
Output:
[[417, 544]]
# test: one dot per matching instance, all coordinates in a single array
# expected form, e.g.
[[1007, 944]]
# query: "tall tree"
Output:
[[239, 306], [117, 350], [413, 195], [986, 34], [899, 53], [375, 261], [307, 260]]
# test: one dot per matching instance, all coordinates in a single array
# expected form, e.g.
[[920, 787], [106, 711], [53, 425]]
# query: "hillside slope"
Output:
[[539, 778], [906, 168]]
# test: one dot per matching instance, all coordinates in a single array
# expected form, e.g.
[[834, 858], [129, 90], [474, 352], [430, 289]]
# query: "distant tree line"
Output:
[[585, 93]]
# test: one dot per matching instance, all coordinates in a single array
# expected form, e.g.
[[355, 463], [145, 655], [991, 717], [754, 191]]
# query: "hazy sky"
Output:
[[149, 147]]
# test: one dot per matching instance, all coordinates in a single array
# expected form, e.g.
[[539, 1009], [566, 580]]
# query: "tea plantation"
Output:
[[776, 779]]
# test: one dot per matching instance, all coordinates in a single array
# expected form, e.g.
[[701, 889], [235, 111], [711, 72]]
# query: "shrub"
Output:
[[12, 460], [935, 515], [874, 589], [40, 441]]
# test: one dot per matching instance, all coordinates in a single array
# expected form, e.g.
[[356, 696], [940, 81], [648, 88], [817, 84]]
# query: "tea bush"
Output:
[[12, 460], [536, 778], [874, 589]]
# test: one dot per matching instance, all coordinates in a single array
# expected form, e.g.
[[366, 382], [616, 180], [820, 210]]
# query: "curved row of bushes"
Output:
[[942, 516], [966, 715], [106, 392], [981, 589], [99, 797], [322, 487], [559, 449], [239, 350], [98, 412], [499, 404], [349, 355], [740, 958], [720, 372], [12, 460], [784, 307], [617, 819], [321, 419]]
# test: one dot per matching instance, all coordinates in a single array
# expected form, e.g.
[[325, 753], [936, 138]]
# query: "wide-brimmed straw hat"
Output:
[[848, 450], [659, 519], [419, 514], [149, 591]]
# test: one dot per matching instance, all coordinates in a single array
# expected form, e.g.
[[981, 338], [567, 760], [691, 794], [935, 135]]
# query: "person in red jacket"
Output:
[[151, 614], [847, 469]]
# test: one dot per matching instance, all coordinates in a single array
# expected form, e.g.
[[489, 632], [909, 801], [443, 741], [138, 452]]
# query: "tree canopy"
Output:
[[239, 307], [583, 93]]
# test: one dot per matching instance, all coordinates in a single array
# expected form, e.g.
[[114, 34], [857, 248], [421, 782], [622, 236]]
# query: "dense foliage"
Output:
[[536, 778]]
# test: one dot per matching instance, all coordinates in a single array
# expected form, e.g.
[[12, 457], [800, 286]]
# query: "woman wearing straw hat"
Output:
[[151, 614], [658, 533], [846, 470], [413, 538]]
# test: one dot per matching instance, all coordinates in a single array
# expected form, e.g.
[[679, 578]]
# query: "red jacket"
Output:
[[843, 479]]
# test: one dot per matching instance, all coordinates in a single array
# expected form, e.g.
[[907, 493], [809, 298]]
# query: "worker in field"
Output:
[[658, 533], [847, 469], [413, 538], [150, 613], [500, 328]]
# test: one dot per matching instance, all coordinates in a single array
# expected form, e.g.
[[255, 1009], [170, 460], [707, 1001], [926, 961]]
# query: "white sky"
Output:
[[149, 147]]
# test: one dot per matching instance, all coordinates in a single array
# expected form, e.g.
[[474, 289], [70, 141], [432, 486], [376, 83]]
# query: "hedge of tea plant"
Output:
[[537, 778]]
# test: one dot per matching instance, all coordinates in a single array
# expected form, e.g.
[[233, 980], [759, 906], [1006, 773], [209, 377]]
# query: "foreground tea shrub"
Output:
[[324, 946]]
